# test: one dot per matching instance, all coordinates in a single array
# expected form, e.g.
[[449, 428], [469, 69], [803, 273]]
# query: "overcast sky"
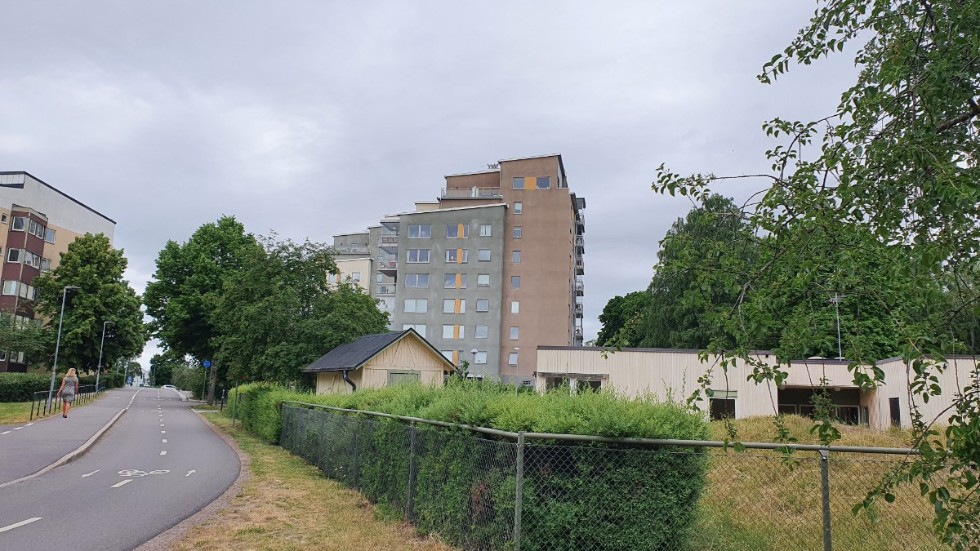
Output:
[[314, 118]]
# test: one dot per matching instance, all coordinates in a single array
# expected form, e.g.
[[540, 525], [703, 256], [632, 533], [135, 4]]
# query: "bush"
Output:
[[586, 496], [20, 387]]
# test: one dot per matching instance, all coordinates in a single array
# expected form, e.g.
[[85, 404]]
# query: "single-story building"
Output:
[[376, 361], [673, 375]]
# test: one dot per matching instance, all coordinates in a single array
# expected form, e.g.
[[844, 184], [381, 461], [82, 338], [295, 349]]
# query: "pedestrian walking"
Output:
[[69, 387]]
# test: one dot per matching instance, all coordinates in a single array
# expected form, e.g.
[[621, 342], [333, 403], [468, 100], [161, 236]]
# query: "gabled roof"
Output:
[[353, 355]]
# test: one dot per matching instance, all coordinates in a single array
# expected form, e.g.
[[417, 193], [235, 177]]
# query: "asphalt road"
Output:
[[158, 464]]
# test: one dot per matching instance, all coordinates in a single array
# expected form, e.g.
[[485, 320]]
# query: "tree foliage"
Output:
[[92, 265], [893, 169], [620, 320], [189, 282], [696, 281], [30, 337], [278, 314]]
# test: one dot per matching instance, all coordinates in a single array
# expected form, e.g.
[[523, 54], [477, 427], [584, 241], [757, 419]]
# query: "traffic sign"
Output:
[[206, 364]]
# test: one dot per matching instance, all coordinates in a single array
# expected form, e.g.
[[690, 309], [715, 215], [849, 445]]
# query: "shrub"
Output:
[[20, 387], [574, 495]]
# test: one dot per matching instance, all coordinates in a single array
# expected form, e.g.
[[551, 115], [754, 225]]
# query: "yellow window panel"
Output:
[[455, 332], [459, 252], [458, 302], [530, 182]]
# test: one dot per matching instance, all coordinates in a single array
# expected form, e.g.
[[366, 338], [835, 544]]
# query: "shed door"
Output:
[[397, 377]]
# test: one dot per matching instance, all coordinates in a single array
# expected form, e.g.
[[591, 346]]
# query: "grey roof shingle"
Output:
[[355, 354]]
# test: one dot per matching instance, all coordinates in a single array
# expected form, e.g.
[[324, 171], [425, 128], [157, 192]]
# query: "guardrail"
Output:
[[40, 406]]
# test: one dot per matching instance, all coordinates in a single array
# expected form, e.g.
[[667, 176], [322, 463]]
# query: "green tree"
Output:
[[162, 367], [279, 314], [23, 335], [896, 163], [621, 318], [188, 284], [700, 266], [96, 269]]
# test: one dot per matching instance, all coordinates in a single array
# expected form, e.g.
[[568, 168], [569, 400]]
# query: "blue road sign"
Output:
[[206, 364]]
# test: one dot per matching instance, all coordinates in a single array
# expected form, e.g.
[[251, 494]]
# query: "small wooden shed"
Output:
[[376, 361]]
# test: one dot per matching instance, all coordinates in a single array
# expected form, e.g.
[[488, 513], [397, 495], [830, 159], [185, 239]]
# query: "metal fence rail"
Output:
[[550, 491], [41, 407]]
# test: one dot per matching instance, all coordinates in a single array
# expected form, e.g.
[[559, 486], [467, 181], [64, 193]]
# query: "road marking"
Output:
[[29, 424], [163, 432], [91, 473], [162, 425], [19, 524], [6, 432], [164, 440], [122, 483], [18, 428], [164, 452], [190, 472]]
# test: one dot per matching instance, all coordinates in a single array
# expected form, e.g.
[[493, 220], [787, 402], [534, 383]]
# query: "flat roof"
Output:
[[65, 195]]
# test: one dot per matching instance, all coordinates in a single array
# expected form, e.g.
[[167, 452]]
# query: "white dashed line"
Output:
[[86, 475], [163, 432], [18, 428], [122, 483], [6, 432], [19, 524], [164, 452], [29, 424], [190, 472], [164, 440]]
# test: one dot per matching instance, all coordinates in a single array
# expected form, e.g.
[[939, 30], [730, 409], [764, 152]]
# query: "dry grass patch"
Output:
[[288, 504], [13, 413]]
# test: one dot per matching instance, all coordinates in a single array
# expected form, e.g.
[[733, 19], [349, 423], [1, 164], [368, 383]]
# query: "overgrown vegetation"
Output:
[[20, 387], [466, 483]]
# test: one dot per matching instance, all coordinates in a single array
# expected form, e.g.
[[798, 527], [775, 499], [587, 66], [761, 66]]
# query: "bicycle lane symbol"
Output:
[[135, 473]]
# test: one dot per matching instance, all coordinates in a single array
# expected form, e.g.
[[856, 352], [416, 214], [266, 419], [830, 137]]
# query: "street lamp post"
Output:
[[836, 301], [57, 344], [98, 369]]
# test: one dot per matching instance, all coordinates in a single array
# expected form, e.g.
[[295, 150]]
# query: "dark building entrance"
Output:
[[799, 401]]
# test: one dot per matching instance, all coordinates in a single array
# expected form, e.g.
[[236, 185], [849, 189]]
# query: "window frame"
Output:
[[418, 256], [418, 231]]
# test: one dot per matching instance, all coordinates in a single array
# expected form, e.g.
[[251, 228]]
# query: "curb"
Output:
[[76, 453]]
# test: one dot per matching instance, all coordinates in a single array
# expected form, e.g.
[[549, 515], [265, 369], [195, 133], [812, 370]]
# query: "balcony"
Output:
[[387, 266], [471, 193], [579, 266], [578, 332], [389, 243], [579, 244], [579, 223], [578, 310], [353, 249], [579, 288], [386, 290]]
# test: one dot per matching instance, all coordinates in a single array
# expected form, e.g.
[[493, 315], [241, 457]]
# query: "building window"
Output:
[[722, 408], [400, 377], [49, 235], [515, 257], [518, 232], [512, 359], [457, 231], [486, 230], [481, 332], [518, 208], [458, 256], [13, 255], [10, 288], [36, 229], [45, 264], [514, 332], [3, 218], [420, 329], [480, 357], [416, 305], [518, 182], [418, 281], [418, 256], [543, 182], [419, 231], [454, 281], [483, 280], [454, 306], [515, 282], [515, 307], [454, 332], [483, 255], [355, 276], [482, 305], [19, 223]]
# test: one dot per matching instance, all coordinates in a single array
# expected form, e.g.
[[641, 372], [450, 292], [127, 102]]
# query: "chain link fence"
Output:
[[484, 489]]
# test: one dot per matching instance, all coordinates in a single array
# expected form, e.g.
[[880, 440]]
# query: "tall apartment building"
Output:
[[37, 222], [489, 271]]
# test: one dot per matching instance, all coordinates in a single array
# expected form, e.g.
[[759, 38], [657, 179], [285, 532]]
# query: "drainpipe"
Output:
[[347, 380]]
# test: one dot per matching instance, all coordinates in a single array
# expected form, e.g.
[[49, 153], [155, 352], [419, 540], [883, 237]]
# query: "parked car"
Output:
[[171, 387]]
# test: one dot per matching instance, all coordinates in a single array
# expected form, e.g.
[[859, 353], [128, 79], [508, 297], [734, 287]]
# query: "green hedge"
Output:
[[575, 496], [20, 387]]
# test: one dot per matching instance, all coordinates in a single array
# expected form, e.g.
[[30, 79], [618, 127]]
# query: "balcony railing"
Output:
[[386, 290], [579, 266], [471, 193], [579, 288], [387, 265], [390, 238], [580, 244], [578, 310], [353, 250]]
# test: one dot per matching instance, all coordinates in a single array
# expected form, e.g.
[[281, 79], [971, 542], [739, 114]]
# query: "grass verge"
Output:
[[12, 413], [288, 504]]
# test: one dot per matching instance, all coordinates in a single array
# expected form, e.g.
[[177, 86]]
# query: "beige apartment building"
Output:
[[489, 271], [37, 223]]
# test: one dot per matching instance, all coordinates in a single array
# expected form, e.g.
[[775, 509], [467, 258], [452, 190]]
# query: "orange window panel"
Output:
[[458, 303], [455, 332], [530, 182]]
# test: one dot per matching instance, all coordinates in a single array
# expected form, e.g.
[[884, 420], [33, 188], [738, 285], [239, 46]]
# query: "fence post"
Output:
[[518, 491], [825, 491], [410, 504]]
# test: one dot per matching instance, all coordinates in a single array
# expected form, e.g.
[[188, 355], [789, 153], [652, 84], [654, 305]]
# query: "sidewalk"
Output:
[[28, 448]]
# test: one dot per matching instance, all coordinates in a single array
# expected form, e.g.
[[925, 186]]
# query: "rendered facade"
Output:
[[487, 272], [37, 222], [672, 375]]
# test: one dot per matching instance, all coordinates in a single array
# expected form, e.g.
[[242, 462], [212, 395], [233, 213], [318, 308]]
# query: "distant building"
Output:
[[37, 222], [487, 272]]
